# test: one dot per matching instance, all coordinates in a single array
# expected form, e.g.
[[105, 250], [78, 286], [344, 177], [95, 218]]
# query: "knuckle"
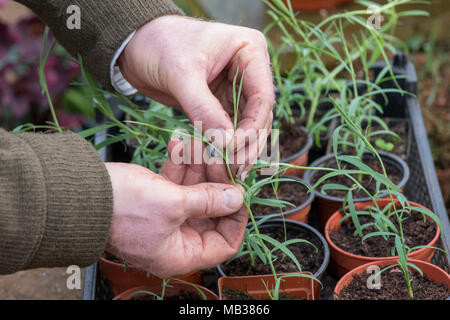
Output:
[[259, 38], [210, 200]]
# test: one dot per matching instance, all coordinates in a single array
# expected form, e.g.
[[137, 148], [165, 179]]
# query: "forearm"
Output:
[[55, 201], [104, 26]]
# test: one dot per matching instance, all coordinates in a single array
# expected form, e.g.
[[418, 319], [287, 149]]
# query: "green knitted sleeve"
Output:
[[55, 201], [105, 24]]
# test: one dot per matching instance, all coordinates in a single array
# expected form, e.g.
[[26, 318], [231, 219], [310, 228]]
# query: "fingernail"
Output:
[[232, 198]]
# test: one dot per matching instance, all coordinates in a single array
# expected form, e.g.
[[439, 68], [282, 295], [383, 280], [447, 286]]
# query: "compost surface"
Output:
[[309, 259], [393, 287], [393, 173], [292, 192], [417, 232]]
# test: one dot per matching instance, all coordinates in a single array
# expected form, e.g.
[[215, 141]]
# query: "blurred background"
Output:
[[21, 100]]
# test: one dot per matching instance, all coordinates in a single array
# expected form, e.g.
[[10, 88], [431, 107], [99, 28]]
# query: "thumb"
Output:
[[212, 200], [204, 109]]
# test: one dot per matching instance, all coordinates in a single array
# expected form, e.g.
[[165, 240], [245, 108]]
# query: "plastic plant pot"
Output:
[[342, 261], [174, 289], [299, 226], [291, 287], [121, 279], [429, 270], [299, 213], [325, 205]]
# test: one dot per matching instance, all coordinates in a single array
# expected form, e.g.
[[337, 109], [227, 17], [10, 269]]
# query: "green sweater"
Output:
[[55, 193]]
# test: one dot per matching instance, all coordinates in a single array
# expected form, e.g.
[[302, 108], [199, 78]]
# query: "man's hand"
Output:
[[168, 229], [190, 64]]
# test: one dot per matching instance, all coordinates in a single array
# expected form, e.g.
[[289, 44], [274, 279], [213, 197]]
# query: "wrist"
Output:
[[141, 54]]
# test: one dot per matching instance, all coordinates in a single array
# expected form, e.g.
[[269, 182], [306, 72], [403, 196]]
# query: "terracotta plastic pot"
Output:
[[299, 213], [324, 205], [120, 280], [298, 225], [174, 289], [342, 261], [429, 270], [295, 287], [309, 5], [299, 159]]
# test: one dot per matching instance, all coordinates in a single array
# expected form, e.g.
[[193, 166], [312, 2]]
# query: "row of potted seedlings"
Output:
[[354, 191], [280, 207], [245, 277]]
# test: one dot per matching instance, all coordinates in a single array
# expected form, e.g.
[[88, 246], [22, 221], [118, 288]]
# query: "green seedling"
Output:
[[164, 285]]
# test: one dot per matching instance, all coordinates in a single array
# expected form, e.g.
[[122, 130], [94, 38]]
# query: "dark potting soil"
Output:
[[417, 231], [292, 192], [233, 294], [394, 174], [292, 139], [183, 295], [309, 259], [393, 287]]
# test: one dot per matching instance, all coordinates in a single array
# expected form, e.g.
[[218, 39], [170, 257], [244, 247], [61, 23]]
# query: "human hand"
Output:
[[190, 64], [169, 229]]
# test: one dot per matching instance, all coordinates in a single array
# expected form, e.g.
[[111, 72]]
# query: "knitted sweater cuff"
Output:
[[76, 197]]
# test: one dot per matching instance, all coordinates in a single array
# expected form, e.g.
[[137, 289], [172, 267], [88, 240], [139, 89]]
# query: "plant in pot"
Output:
[[400, 277], [277, 247], [384, 221], [168, 289], [288, 198], [388, 227], [300, 90], [284, 287], [345, 142], [292, 137], [366, 232], [426, 282], [324, 58], [356, 102], [300, 98]]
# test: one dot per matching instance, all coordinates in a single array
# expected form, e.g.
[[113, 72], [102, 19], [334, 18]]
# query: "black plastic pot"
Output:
[[298, 225], [325, 205]]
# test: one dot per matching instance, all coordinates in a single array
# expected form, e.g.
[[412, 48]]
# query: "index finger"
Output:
[[257, 89]]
